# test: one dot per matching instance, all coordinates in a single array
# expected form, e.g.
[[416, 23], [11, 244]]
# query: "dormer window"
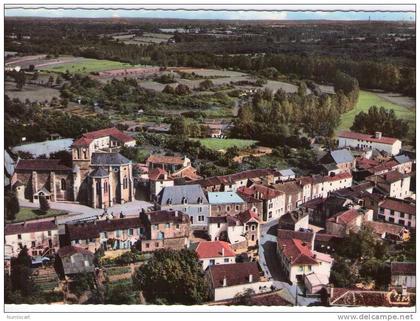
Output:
[[184, 200], [200, 200], [169, 201]]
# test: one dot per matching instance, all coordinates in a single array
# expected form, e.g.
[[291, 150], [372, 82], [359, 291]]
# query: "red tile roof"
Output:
[[365, 298], [157, 173], [248, 215], [297, 251], [235, 274], [28, 227], [370, 138], [399, 206], [41, 165], [259, 191], [345, 217], [209, 249], [87, 138]]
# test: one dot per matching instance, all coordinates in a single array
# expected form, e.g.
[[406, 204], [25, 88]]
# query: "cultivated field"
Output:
[[31, 92], [218, 144], [368, 99]]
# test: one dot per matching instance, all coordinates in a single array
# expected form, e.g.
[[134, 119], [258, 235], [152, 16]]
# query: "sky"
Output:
[[404, 13]]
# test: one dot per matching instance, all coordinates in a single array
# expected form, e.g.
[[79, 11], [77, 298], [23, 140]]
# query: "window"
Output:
[[200, 209], [228, 208], [401, 222], [155, 226], [19, 237], [147, 245], [167, 225], [391, 219], [177, 226], [33, 243], [218, 225], [392, 213], [130, 231], [49, 233], [301, 268], [252, 237], [117, 233], [201, 218], [246, 228], [237, 207], [253, 227], [156, 244], [184, 200], [125, 183], [212, 262], [63, 184], [226, 260], [106, 187]]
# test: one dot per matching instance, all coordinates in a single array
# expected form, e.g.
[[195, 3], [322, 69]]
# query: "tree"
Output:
[[58, 81], [380, 119], [182, 90], [11, 205], [20, 78], [168, 90], [50, 81], [206, 85], [172, 277], [244, 298], [21, 273], [44, 206]]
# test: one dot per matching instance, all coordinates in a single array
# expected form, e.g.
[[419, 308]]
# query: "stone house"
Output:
[[40, 237], [71, 260], [189, 199], [392, 184], [225, 203], [402, 212], [403, 274], [390, 145]]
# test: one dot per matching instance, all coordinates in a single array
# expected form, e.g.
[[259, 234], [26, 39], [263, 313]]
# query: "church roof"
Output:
[[109, 159]]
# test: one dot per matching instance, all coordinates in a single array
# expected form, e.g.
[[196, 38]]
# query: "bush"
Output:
[[44, 206]]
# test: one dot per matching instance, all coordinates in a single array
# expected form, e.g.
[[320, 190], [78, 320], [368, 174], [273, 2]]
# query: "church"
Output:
[[99, 176]]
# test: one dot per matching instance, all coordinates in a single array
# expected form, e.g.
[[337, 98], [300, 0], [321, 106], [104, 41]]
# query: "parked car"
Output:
[[39, 261]]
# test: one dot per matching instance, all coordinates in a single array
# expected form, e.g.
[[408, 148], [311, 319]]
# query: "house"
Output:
[[348, 221], [189, 199], [165, 229], [322, 186], [341, 158], [295, 220], [342, 297], [365, 142], [273, 200], [214, 252], [229, 280], [298, 259], [273, 298], [287, 174], [108, 234], [158, 180], [225, 203], [231, 183], [40, 237], [241, 231], [392, 184], [390, 232], [294, 193], [306, 236], [403, 274], [405, 164], [402, 212], [71, 260], [169, 163]]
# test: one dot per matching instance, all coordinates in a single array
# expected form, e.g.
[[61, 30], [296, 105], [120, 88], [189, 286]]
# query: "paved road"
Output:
[[82, 212]]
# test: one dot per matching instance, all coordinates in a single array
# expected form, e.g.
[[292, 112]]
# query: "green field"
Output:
[[368, 99], [87, 65], [217, 143], [26, 214]]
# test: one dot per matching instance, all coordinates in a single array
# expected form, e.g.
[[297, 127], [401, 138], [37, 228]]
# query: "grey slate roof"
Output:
[[401, 159], [99, 172], [287, 172], [342, 156], [175, 194], [109, 159]]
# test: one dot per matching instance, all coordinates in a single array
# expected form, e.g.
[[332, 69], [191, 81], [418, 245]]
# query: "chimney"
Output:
[[250, 277], [378, 135], [223, 251], [224, 281], [404, 291], [176, 213]]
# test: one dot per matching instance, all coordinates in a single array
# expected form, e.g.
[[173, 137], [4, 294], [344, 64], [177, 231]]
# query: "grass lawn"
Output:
[[26, 214], [368, 99], [87, 65], [217, 143]]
